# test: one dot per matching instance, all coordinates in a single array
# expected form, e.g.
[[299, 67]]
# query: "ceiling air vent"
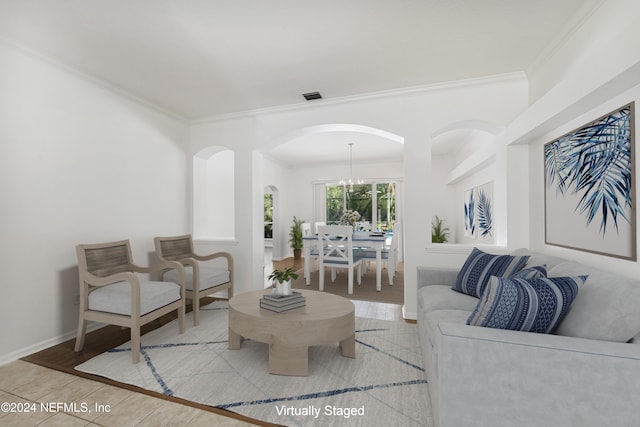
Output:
[[312, 95]]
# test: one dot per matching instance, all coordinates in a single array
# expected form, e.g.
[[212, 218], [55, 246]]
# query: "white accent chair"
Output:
[[389, 254], [336, 242], [111, 292], [201, 279]]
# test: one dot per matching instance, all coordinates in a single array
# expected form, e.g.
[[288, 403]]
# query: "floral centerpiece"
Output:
[[349, 217]]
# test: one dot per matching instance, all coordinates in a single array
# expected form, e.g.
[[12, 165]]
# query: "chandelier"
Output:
[[350, 182]]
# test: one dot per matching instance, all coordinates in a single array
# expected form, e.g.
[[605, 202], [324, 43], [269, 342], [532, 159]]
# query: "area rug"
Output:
[[366, 291], [384, 385]]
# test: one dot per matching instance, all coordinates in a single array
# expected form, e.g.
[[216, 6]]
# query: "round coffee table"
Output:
[[325, 319]]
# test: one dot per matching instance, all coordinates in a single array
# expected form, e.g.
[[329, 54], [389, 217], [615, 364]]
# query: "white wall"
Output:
[[601, 47], [78, 164]]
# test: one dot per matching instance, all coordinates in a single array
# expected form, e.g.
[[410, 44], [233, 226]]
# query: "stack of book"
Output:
[[280, 303]]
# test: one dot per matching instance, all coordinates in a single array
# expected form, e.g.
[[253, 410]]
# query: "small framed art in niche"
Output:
[[478, 213], [590, 187]]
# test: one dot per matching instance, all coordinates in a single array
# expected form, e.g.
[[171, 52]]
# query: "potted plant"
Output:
[[295, 238], [282, 280], [439, 233]]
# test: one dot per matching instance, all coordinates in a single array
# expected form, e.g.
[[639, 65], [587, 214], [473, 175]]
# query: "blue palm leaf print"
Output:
[[485, 223], [469, 214]]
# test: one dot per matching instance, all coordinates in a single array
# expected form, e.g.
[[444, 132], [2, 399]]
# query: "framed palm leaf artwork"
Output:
[[484, 212], [478, 213], [590, 187]]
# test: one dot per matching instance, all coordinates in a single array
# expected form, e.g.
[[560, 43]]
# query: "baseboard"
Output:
[[412, 315], [26, 351]]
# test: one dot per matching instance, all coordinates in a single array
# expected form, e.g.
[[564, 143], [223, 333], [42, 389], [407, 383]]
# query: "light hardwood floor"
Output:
[[43, 392], [38, 396]]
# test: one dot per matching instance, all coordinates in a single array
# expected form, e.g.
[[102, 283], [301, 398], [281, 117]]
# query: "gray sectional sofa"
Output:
[[586, 373]]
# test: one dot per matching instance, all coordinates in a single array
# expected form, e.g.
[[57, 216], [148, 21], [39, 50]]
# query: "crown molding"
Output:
[[433, 87], [103, 84]]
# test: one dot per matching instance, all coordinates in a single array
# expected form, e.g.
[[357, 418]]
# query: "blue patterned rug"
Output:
[[384, 385]]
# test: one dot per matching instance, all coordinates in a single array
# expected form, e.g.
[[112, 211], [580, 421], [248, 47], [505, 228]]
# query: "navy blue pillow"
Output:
[[480, 266], [535, 305]]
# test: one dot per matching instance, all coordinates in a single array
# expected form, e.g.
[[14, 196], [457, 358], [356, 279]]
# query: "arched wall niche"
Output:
[[466, 162], [213, 194]]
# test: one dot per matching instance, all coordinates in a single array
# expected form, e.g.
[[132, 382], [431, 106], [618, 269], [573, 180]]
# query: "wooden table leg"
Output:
[[234, 340], [348, 346], [285, 360]]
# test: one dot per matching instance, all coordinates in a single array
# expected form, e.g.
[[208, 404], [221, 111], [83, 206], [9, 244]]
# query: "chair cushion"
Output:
[[116, 298], [209, 276], [345, 263], [535, 305], [371, 253], [480, 266]]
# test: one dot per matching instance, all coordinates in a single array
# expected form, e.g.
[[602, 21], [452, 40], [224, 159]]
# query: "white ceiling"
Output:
[[202, 58], [333, 147]]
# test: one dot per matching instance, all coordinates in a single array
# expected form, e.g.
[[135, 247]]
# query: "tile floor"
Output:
[[44, 393]]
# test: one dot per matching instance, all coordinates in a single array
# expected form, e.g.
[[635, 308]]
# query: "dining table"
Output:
[[361, 239]]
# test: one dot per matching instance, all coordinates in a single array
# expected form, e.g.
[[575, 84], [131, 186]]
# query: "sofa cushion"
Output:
[[535, 305], [442, 297], [607, 308], [537, 258], [480, 266], [435, 318]]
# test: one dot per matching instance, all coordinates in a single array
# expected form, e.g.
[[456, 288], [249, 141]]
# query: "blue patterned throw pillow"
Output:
[[535, 305], [480, 266], [531, 273]]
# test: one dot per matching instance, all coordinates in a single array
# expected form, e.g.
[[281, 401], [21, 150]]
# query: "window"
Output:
[[376, 203], [268, 216]]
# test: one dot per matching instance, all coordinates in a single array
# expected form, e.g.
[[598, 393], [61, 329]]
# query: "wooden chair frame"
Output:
[[180, 249], [104, 264]]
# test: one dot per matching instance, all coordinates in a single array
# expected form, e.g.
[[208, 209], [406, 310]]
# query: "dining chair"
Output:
[[336, 242], [202, 278], [389, 254], [111, 292], [319, 224]]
